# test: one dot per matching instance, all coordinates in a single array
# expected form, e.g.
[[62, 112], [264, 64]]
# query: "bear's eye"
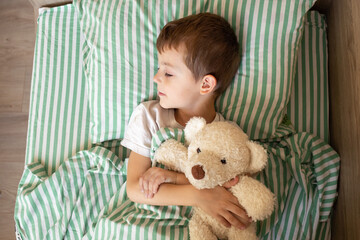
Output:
[[223, 161], [198, 150]]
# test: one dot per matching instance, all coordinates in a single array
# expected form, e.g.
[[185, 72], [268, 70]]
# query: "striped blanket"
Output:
[[86, 196]]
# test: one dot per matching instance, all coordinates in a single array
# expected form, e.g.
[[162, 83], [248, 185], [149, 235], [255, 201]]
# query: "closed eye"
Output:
[[168, 75]]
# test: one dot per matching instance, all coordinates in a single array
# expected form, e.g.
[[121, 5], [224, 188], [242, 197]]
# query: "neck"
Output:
[[206, 111]]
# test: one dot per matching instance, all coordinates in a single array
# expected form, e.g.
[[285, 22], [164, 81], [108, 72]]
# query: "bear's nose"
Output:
[[198, 172]]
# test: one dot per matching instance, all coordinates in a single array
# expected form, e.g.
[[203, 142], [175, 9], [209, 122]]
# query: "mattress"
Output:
[[74, 189]]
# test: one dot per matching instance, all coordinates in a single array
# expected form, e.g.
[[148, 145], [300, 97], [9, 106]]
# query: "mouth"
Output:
[[161, 94]]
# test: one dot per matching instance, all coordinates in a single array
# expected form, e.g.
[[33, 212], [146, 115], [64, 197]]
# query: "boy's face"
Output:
[[177, 87]]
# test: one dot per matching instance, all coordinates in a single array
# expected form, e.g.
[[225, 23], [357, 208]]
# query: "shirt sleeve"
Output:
[[138, 134]]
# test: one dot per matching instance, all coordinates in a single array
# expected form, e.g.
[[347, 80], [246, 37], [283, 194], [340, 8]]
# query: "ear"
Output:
[[172, 154], [193, 126], [208, 84], [258, 157]]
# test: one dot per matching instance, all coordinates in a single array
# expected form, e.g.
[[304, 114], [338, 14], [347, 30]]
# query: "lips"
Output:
[[161, 94]]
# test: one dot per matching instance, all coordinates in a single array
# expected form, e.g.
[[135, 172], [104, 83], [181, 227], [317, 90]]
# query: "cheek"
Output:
[[181, 92], [190, 90]]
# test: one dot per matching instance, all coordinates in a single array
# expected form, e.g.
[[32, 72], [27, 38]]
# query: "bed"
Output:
[[74, 181]]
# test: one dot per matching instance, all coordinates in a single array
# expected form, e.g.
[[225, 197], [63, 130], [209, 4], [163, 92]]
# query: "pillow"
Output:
[[120, 58]]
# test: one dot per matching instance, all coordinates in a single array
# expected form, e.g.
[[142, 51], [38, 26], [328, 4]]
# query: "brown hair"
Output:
[[211, 46]]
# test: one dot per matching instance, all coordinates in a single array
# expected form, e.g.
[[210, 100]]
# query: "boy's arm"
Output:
[[137, 166], [218, 202], [151, 180]]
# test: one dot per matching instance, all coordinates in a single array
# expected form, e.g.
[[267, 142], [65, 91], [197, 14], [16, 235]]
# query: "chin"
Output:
[[163, 104]]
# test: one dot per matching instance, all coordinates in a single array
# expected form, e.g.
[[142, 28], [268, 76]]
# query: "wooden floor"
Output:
[[17, 39]]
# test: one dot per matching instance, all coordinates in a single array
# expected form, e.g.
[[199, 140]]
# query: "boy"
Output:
[[198, 58]]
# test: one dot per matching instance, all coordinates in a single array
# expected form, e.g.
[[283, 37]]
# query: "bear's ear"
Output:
[[258, 157], [193, 126]]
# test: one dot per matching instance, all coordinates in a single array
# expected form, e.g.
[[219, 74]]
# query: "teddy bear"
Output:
[[212, 155]]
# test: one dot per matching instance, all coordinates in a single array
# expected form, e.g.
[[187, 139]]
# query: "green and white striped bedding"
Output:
[[120, 39], [308, 107], [74, 189], [59, 119]]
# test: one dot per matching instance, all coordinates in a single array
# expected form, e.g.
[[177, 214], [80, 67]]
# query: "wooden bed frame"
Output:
[[343, 17]]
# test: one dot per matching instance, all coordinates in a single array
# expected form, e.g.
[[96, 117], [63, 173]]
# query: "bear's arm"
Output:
[[257, 200], [172, 154]]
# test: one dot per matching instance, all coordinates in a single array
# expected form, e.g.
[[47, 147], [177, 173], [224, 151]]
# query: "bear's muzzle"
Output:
[[198, 172]]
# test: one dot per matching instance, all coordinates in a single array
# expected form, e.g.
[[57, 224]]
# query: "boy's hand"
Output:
[[223, 206], [153, 178], [234, 181], [231, 182]]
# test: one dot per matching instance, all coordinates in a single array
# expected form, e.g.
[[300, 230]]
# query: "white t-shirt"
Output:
[[146, 120]]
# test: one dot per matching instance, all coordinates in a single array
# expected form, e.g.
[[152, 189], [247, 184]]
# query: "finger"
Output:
[[145, 185], [223, 221], [239, 213], [141, 184], [231, 183], [230, 218], [235, 207], [155, 187], [150, 195], [158, 181], [147, 194]]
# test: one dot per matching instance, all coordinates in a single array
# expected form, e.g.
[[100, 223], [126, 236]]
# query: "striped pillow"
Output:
[[120, 58]]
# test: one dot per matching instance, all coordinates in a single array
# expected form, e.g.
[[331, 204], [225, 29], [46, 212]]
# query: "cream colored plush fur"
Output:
[[216, 153]]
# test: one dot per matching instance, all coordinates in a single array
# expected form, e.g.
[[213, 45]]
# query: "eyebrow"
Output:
[[167, 64]]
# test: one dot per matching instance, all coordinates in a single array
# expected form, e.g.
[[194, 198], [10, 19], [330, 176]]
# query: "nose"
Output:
[[198, 172], [157, 78]]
